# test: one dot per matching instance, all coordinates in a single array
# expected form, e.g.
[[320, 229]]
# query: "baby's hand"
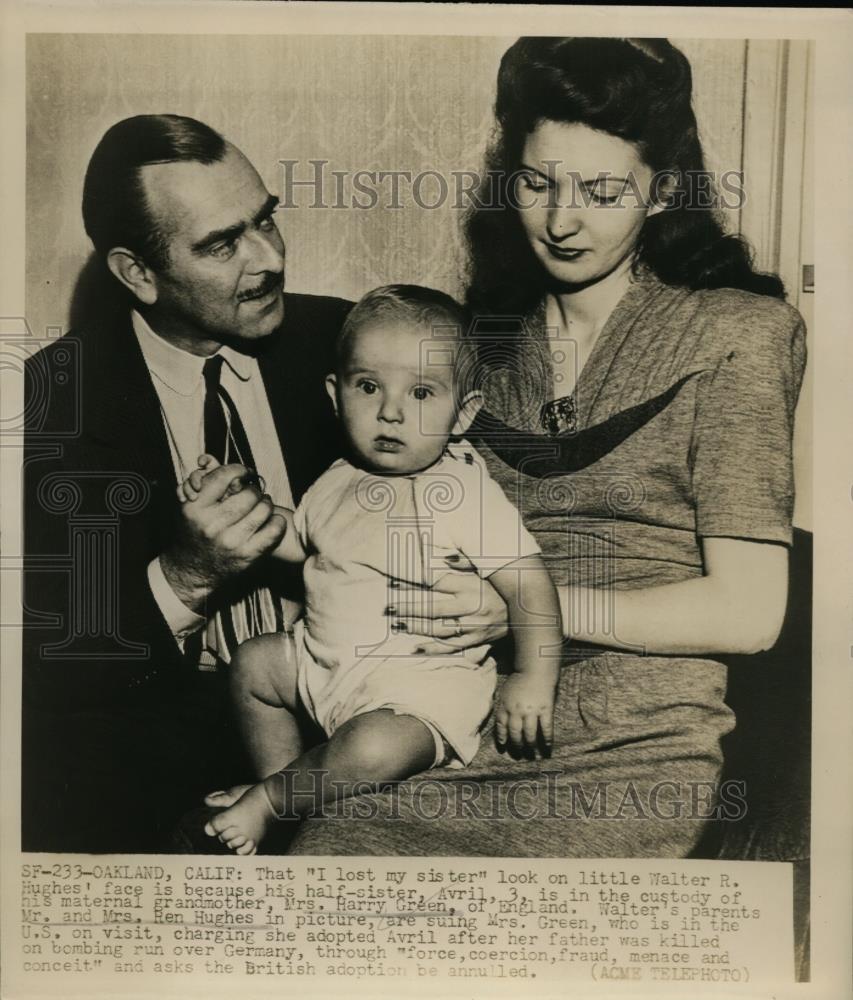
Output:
[[524, 706], [190, 488]]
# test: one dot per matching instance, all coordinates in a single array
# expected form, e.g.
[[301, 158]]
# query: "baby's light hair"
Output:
[[419, 306]]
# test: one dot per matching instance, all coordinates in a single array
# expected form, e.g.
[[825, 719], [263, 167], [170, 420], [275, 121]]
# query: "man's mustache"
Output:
[[273, 281]]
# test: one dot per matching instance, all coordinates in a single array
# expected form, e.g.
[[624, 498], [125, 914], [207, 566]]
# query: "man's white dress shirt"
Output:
[[178, 380]]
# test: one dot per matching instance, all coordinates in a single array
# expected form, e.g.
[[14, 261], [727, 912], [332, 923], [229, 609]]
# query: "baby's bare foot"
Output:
[[243, 825], [226, 797]]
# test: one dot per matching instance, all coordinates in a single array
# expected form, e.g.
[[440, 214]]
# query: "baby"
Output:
[[411, 497]]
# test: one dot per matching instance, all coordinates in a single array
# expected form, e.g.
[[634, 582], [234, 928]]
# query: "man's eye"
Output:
[[267, 225], [422, 392], [603, 199], [366, 386], [222, 251]]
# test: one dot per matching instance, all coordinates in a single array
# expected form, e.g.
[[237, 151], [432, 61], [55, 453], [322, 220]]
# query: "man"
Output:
[[133, 605]]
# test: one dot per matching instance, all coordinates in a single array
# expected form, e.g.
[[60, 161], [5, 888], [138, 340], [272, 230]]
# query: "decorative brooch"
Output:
[[559, 415]]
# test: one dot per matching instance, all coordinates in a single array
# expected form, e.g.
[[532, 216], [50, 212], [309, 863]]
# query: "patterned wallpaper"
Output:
[[393, 103]]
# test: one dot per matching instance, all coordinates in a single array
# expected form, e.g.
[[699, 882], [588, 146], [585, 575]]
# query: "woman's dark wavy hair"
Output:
[[639, 90]]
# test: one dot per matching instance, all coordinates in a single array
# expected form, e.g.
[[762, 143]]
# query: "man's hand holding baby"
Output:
[[223, 531]]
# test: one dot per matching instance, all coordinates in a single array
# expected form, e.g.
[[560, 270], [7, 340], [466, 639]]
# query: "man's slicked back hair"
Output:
[[116, 212]]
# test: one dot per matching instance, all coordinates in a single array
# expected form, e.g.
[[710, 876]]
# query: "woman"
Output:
[[640, 380], [631, 303]]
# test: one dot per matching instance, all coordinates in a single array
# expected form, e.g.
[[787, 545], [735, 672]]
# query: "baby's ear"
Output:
[[469, 409], [332, 390]]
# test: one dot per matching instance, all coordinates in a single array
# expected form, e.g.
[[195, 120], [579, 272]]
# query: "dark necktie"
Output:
[[225, 438]]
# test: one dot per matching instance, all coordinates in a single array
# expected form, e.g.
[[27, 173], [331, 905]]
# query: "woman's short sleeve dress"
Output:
[[684, 416]]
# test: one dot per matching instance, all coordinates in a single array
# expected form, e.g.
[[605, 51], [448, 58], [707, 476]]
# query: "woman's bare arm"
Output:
[[736, 607]]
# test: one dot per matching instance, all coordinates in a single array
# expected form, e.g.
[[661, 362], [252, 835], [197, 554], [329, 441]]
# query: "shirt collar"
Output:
[[178, 369], [241, 364]]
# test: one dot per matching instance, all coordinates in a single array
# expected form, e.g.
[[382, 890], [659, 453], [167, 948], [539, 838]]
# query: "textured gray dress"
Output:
[[683, 420]]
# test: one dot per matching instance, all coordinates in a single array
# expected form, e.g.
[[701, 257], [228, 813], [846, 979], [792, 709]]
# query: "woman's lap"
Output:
[[633, 774]]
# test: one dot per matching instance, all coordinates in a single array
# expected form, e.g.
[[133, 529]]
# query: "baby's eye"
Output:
[[421, 392], [367, 386]]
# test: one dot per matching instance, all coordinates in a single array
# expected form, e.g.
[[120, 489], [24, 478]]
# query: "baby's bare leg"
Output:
[[263, 690], [368, 751]]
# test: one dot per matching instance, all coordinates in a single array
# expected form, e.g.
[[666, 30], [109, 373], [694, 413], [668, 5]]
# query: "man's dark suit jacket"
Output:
[[119, 729]]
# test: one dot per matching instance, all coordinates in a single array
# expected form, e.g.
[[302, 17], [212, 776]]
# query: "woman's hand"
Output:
[[459, 611]]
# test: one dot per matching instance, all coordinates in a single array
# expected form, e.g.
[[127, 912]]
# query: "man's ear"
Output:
[[132, 271], [332, 390], [469, 409]]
